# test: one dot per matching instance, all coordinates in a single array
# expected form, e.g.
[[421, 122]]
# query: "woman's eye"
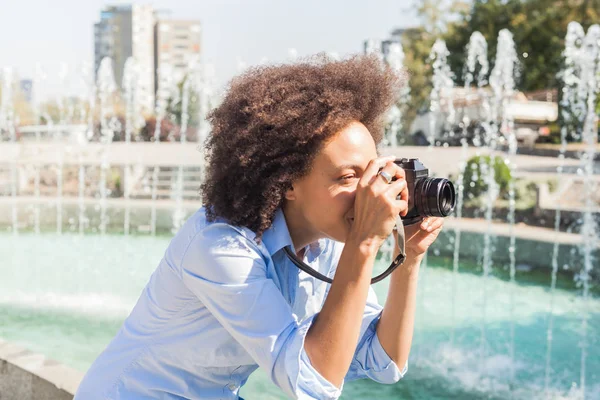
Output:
[[347, 178]]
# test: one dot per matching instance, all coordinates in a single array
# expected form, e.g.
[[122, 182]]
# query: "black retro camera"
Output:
[[427, 197]]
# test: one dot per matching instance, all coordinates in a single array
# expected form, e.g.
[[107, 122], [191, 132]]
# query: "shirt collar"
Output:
[[277, 236]]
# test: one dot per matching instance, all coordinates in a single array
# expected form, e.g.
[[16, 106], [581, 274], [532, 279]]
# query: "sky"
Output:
[[59, 33]]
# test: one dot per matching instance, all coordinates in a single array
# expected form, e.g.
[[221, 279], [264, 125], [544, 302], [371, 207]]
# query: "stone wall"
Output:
[[29, 376]]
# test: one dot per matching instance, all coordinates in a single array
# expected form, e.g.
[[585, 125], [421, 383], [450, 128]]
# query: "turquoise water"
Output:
[[66, 296]]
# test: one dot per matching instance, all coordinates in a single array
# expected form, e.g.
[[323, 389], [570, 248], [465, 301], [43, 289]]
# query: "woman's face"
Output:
[[323, 201]]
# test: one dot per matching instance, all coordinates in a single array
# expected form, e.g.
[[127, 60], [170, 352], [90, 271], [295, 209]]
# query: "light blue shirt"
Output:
[[219, 306]]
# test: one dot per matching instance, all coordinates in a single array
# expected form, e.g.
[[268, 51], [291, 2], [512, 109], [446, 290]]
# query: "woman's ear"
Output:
[[290, 194]]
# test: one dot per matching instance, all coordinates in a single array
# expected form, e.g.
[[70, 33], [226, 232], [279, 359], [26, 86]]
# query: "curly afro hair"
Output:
[[273, 121]]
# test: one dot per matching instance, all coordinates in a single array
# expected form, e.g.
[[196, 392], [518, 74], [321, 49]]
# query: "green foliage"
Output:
[[175, 106], [417, 44], [476, 173], [115, 183], [538, 27]]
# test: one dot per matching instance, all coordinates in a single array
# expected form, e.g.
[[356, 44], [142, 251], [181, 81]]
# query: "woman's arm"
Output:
[[333, 337], [226, 271], [331, 340], [396, 326]]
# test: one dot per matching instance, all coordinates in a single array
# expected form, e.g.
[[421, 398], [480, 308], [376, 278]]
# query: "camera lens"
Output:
[[435, 197]]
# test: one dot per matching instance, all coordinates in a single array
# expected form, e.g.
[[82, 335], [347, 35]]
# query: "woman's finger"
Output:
[[402, 207], [372, 171], [399, 189], [430, 224], [393, 170], [398, 171]]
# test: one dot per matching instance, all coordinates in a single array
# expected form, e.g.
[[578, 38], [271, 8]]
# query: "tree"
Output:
[[175, 104], [538, 27], [417, 43]]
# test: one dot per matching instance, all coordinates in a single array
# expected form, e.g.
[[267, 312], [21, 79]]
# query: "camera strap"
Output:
[[398, 230]]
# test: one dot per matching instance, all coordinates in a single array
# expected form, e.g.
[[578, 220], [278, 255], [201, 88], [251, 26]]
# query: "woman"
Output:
[[292, 161]]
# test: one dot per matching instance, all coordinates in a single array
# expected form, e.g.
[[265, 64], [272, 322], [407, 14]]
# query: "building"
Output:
[[383, 47], [26, 86], [143, 20], [123, 32], [398, 33], [112, 38], [176, 43]]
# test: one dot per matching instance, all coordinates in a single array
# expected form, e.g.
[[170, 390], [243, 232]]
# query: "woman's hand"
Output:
[[378, 203], [418, 237]]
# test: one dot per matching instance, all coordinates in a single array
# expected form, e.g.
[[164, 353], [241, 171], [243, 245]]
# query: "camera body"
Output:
[[427, 197]]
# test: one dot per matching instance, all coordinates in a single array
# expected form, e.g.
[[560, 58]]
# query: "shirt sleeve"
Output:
[[370, 359], [227, 273]]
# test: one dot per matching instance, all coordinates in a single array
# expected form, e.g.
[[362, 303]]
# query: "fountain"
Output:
[[442, 81], [7, 124], [133, 122], [477, 335], [109, 124], [570, 100], [476, 69], [162, 96], [502, 81], [589, 89]]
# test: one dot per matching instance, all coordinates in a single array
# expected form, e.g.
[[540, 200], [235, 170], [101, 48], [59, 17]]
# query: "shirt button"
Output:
[[232, 386]]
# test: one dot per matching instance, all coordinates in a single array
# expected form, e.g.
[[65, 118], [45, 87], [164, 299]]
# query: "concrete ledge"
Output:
[[25, 375], [531, 252]]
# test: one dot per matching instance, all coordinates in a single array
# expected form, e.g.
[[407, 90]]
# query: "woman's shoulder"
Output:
[[218, 229], [216, 249]]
